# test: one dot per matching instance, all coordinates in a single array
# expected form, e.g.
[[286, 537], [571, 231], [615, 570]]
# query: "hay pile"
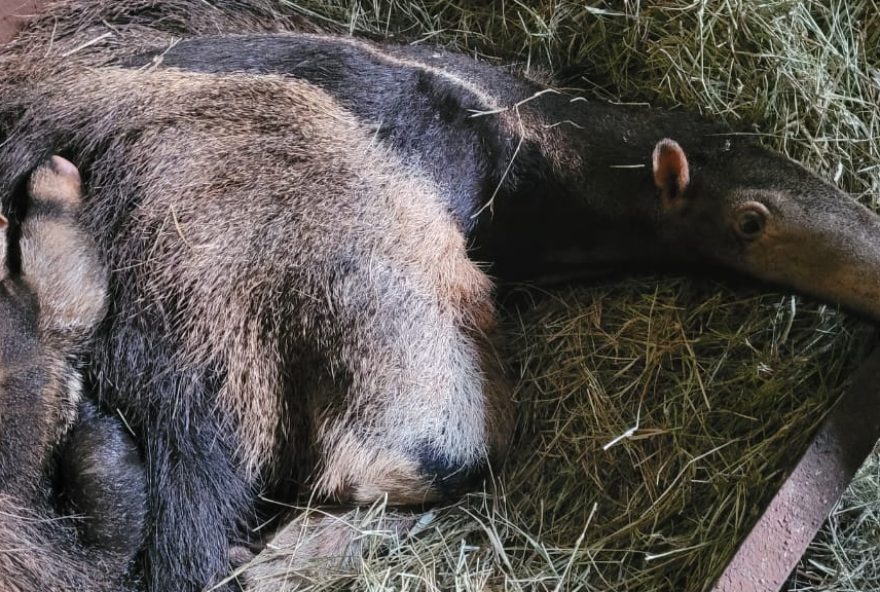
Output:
[[657, 416]]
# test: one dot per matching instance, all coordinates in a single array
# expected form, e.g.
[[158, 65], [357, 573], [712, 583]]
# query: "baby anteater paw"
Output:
[[59, 260]]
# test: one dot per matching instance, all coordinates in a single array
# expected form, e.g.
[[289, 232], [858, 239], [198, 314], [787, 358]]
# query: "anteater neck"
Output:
[[579, 194]]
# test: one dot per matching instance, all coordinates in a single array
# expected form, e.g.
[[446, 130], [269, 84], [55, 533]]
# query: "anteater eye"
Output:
[[750, 221]]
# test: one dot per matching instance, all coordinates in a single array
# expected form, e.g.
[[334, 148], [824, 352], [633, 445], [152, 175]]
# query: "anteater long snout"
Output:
[[829, 250]]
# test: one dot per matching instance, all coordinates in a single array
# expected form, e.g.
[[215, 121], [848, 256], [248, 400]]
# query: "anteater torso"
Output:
[[439, 111], [527, 171], [291, 303], [294, 236]]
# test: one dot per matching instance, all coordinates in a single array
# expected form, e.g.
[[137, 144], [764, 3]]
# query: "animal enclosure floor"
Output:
[[657, 416], [655, 420]]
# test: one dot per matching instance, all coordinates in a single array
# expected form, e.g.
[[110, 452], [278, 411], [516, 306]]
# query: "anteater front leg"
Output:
[[413, 407], [420, 407], [424, 404]]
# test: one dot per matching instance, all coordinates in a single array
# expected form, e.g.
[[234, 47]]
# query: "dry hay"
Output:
[[656, 416]]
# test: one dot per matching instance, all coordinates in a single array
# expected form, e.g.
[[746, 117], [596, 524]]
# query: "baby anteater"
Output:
[[58, 454]]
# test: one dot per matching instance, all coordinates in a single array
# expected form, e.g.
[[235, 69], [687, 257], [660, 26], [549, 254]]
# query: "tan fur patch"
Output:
[[60, 265]]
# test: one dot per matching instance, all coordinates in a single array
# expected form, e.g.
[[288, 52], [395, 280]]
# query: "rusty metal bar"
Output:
[[778, 540]]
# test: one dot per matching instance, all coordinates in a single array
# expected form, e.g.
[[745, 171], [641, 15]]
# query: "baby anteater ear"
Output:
[[671, 171], [56, 181]]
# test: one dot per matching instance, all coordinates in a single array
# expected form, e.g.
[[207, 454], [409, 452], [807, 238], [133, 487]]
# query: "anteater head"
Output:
[[756, 211]]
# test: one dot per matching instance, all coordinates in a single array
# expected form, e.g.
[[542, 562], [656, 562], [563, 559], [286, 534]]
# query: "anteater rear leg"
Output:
[[324, 542], [197, 500]]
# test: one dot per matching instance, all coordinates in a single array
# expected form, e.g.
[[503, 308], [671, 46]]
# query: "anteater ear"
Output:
[[671, 174]]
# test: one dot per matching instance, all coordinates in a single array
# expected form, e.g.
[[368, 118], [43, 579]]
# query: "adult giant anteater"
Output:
[[299, 229]]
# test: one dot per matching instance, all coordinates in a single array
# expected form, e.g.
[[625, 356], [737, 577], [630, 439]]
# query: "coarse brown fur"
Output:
[[294, 306], [52, 296], [362, 322]]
